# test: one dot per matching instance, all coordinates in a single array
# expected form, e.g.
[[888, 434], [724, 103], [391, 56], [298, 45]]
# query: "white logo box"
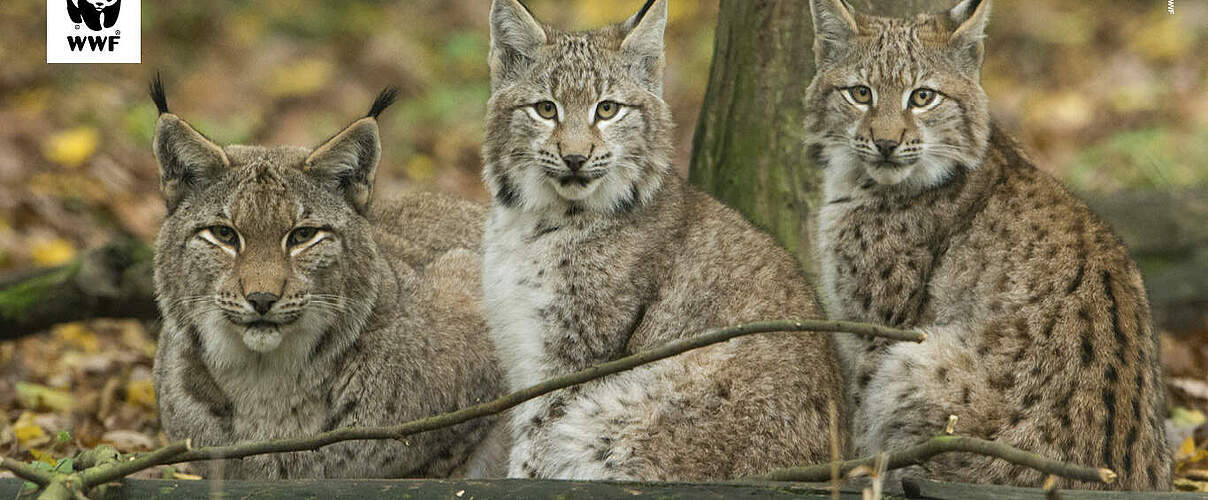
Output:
[[97, 37]]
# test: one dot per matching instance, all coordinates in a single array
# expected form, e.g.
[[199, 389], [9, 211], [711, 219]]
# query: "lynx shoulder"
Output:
[[933, 219], [293, 306], [595, 249]]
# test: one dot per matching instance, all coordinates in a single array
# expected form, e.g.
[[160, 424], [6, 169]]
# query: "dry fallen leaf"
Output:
[[79, 336], [127, 441], [28, 433], [142, 393], [72, 147], [39, 397], [52, 252]]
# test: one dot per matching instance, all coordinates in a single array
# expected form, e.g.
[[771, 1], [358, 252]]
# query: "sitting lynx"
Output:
[[292, 307], [595, 250], [933, 219]]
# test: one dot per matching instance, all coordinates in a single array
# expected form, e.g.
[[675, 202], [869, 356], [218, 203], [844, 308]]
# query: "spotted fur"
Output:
[[1040, 333], [377, 319], [630, 259]]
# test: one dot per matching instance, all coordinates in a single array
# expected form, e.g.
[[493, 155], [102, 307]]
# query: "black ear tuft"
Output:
[[157, 94], [383, 101], [637, 18]]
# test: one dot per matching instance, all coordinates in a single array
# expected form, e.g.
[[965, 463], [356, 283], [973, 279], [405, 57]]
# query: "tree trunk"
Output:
[[748, 150]]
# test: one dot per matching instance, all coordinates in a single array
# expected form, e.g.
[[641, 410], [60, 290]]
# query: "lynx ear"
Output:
[[188, 161], [515, 34], [834, 27], [970, 18], [643, 43], [346, 163]]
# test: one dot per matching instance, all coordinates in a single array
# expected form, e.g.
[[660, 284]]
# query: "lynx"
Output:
[[932, 218], [595, 249], [292, 307]]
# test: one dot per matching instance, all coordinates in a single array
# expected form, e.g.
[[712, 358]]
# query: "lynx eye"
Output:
[[224, 234], [860, 94], [607, 110], [922, 97], [546, 109], [301, 235]]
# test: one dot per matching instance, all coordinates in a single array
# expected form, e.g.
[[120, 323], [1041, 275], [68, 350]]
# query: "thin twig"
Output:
[[28, 472], [182, 452], [945, 444], [111, 472], [510, 400]]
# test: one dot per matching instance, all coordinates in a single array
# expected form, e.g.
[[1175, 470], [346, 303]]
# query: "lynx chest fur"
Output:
[[1039, 326], [595, 250]]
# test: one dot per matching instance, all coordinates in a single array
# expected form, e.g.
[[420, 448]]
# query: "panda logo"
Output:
[[96, 14]]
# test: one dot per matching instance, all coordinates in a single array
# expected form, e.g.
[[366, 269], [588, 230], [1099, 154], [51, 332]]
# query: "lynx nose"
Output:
[[886, 146], [574, 162], [262, 301]]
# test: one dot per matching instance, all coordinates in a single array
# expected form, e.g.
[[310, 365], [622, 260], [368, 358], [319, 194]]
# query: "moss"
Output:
[[17, 299]]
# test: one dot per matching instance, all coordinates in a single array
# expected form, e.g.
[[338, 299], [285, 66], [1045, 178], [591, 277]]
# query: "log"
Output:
[[113, 281], [151, 489]]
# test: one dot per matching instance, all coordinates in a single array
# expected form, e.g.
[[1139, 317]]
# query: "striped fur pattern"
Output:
[[376, 318], [579, 273], [1040, 333]]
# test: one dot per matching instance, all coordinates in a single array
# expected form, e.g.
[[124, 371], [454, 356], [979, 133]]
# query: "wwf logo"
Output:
[[95, 14]]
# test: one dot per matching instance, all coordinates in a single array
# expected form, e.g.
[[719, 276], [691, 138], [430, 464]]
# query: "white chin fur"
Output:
[[890, 176], [262, 339], [575, 192]]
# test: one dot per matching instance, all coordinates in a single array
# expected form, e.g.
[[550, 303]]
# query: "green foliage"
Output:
[[1152, 157]]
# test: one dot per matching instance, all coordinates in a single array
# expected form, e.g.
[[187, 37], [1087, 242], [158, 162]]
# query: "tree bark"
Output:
[[748, 149]]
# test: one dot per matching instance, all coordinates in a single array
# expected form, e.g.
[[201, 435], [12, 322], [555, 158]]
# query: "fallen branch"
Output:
[[111, 472], [938, 445], [180, 452], [27, 472], [511, 400]]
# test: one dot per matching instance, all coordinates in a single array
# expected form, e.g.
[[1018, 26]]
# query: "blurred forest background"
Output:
[[1108, 96]]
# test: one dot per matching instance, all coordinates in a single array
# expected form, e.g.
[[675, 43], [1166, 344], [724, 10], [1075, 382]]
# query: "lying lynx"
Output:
[[933, 219], [293, 307], [595, 249]]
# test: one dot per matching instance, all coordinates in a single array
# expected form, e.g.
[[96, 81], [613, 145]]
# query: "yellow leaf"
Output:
[[49, 253], [1186, 449], [1188, 418], [302, 78], [28, 433], [1161, 38], [141, 392], [420, 168], [43, 456], [40, 397], [79, 336], [71, 147]]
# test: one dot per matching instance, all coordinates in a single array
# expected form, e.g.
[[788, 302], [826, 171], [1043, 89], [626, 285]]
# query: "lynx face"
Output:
[[265, 246], [898, 101], [263, 250], [575, 119]]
